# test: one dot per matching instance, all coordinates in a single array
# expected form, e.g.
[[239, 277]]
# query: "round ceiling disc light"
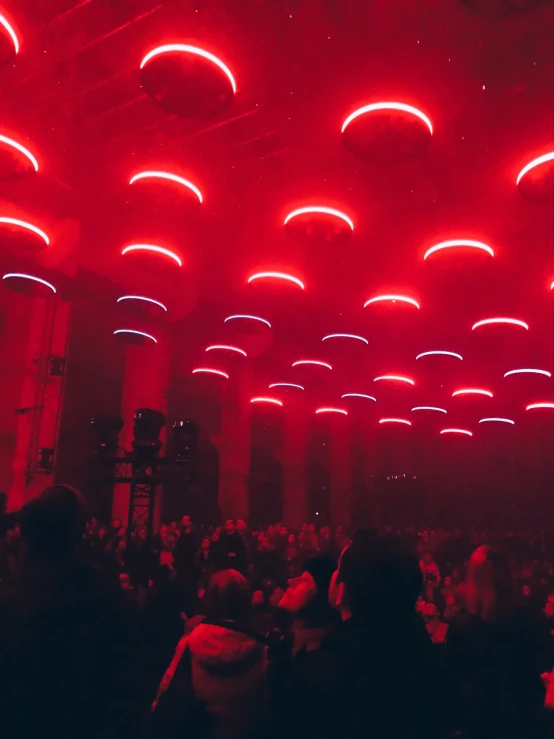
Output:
[[429, 408], [34, 287], [9, 42], [498, 420], [464, 245], [21, 234], [396, 420], [311, 363], [318, 223], [395, 378], [464, 432], [225, 348], [536, 179], [187, 81], [340, 411], [359, 395], [525, 371], [210, 371], [539, 406], [149, 254], [355, 337], [256, 320], [131, 336], [440, 353], [155, 176], [15, 159], [269, 401], [472, 391], [276, 277], [145, 305], [392, 299], [386, 132], [500, 322], [286, 385]]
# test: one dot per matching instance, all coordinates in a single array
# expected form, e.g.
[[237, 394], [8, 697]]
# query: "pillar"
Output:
[[340, 469], [294, 460]]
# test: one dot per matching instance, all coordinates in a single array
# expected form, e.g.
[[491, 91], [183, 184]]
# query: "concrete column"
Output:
[[340, 468], [294, 461]]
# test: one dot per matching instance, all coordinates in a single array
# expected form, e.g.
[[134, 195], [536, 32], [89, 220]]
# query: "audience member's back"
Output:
[[60, 629]]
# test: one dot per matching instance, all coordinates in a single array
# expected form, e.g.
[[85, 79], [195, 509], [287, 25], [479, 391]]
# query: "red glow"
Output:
[[225, 348], [245, 317], [21, 276], [20, 148], [345, 336], [286, 384], [154, 250], [493, 321], [186, 49], [535, 163], [392, 299], [528, 372], [428, 408], [319, 209], [25, 225], [497, 420], [394, 378], [315, 362], [276, 276], [457, 431], [387, 106], [535, 406], [440, 353], [472, 391], [396, 420], [332, 410], [141, 297], [167, 176], [209, 371], [136, 333], [272, 401], [459, 244], [4, 22], [359, 395]]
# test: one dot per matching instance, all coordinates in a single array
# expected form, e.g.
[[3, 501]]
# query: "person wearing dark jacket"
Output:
[[230, 551], [185, 548]]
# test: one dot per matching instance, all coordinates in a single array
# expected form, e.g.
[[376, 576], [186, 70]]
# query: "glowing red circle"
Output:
[[187, 49], [440, 352], [152, 249], [11, 33], [536, 406], [392, 299], [396, 420], [141, 297], [21, 149], [276, 276], [472, 391], [457, 244], [394, 378], [428, 408], [315, 362], [245, 317], [332, 410], [22, 276], [167, 176], [497, 420], [345, 336], [225, 348], [457, 431], [133, 332], [528, 372], [535, 163], [286, 384], [496, 321], [272, 401], [27, 226], [309, 209], [387, 106], [359, 395], [209, 371]]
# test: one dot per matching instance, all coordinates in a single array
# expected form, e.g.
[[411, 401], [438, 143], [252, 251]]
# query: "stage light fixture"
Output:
[[194, 50], [525, 371], [10, 31], [167, 176], [396, 420], [27, 226], [429, 408], [340, 411], [314, 362], [495, 321], [345, 336], [387, 106], [440, 352], [392, 299], [459, 244], [270, 401], [106, 428], [245, 317], [209, 371], [472, 391], [359, 395], [276, 276], [457, 431], [147, 426], [185, 439], [394, 378], [309, 209], [537, 406], [286, 384], [152, 249], [497, 420], [132, 331], [141, 297], [225, 348], [21, 149], [23, 276], [535, 163]]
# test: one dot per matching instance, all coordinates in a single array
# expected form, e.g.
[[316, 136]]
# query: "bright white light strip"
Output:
[[472, 391], [456, 431], [491, 321], [528, 371], [395, 420], [539, 405], [276, 276], [387, 106], [312, 361], [4, 22], [29, 277], [187, 49], [345, 336], [440, 352], [247, 318], [394, 378], [225, 347], [209, 371], [21, 149], [28, 226], [498, 420], [273, 401], [359, 395], [141, 297], [428, 408], [535, 163], [167, 176], [459, 243], [392, 298], [137, 333], [319, 209], [153, 248], [286, 384], [332, 410]]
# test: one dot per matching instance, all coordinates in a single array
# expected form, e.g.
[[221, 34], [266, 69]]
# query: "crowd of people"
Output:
[[233, 631]]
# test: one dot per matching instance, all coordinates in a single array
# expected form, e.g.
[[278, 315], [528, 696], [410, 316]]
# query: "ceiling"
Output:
[[481, 71]]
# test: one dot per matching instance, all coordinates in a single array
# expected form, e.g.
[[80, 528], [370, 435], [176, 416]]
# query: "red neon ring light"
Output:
[[209, 371], [440, 352], [497, 420], [272, 401], [396, 420], [319, 209], [166, 176], [508, 321], [226, 348], [392, 299], [276, 276], [457, 431], [459, 243], [387, 106], [345, 336], [20, 148], [187, 49], [137, 333], [429, 408], [154, 249], [359, 395], [11, 33], [312, 361], [141, 297], [286, 384], [535, 406], [27, 226], [529, 372], [247, 318], [472, 391], [395, 378], [535, 163], [23, 276], [332, 410]]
